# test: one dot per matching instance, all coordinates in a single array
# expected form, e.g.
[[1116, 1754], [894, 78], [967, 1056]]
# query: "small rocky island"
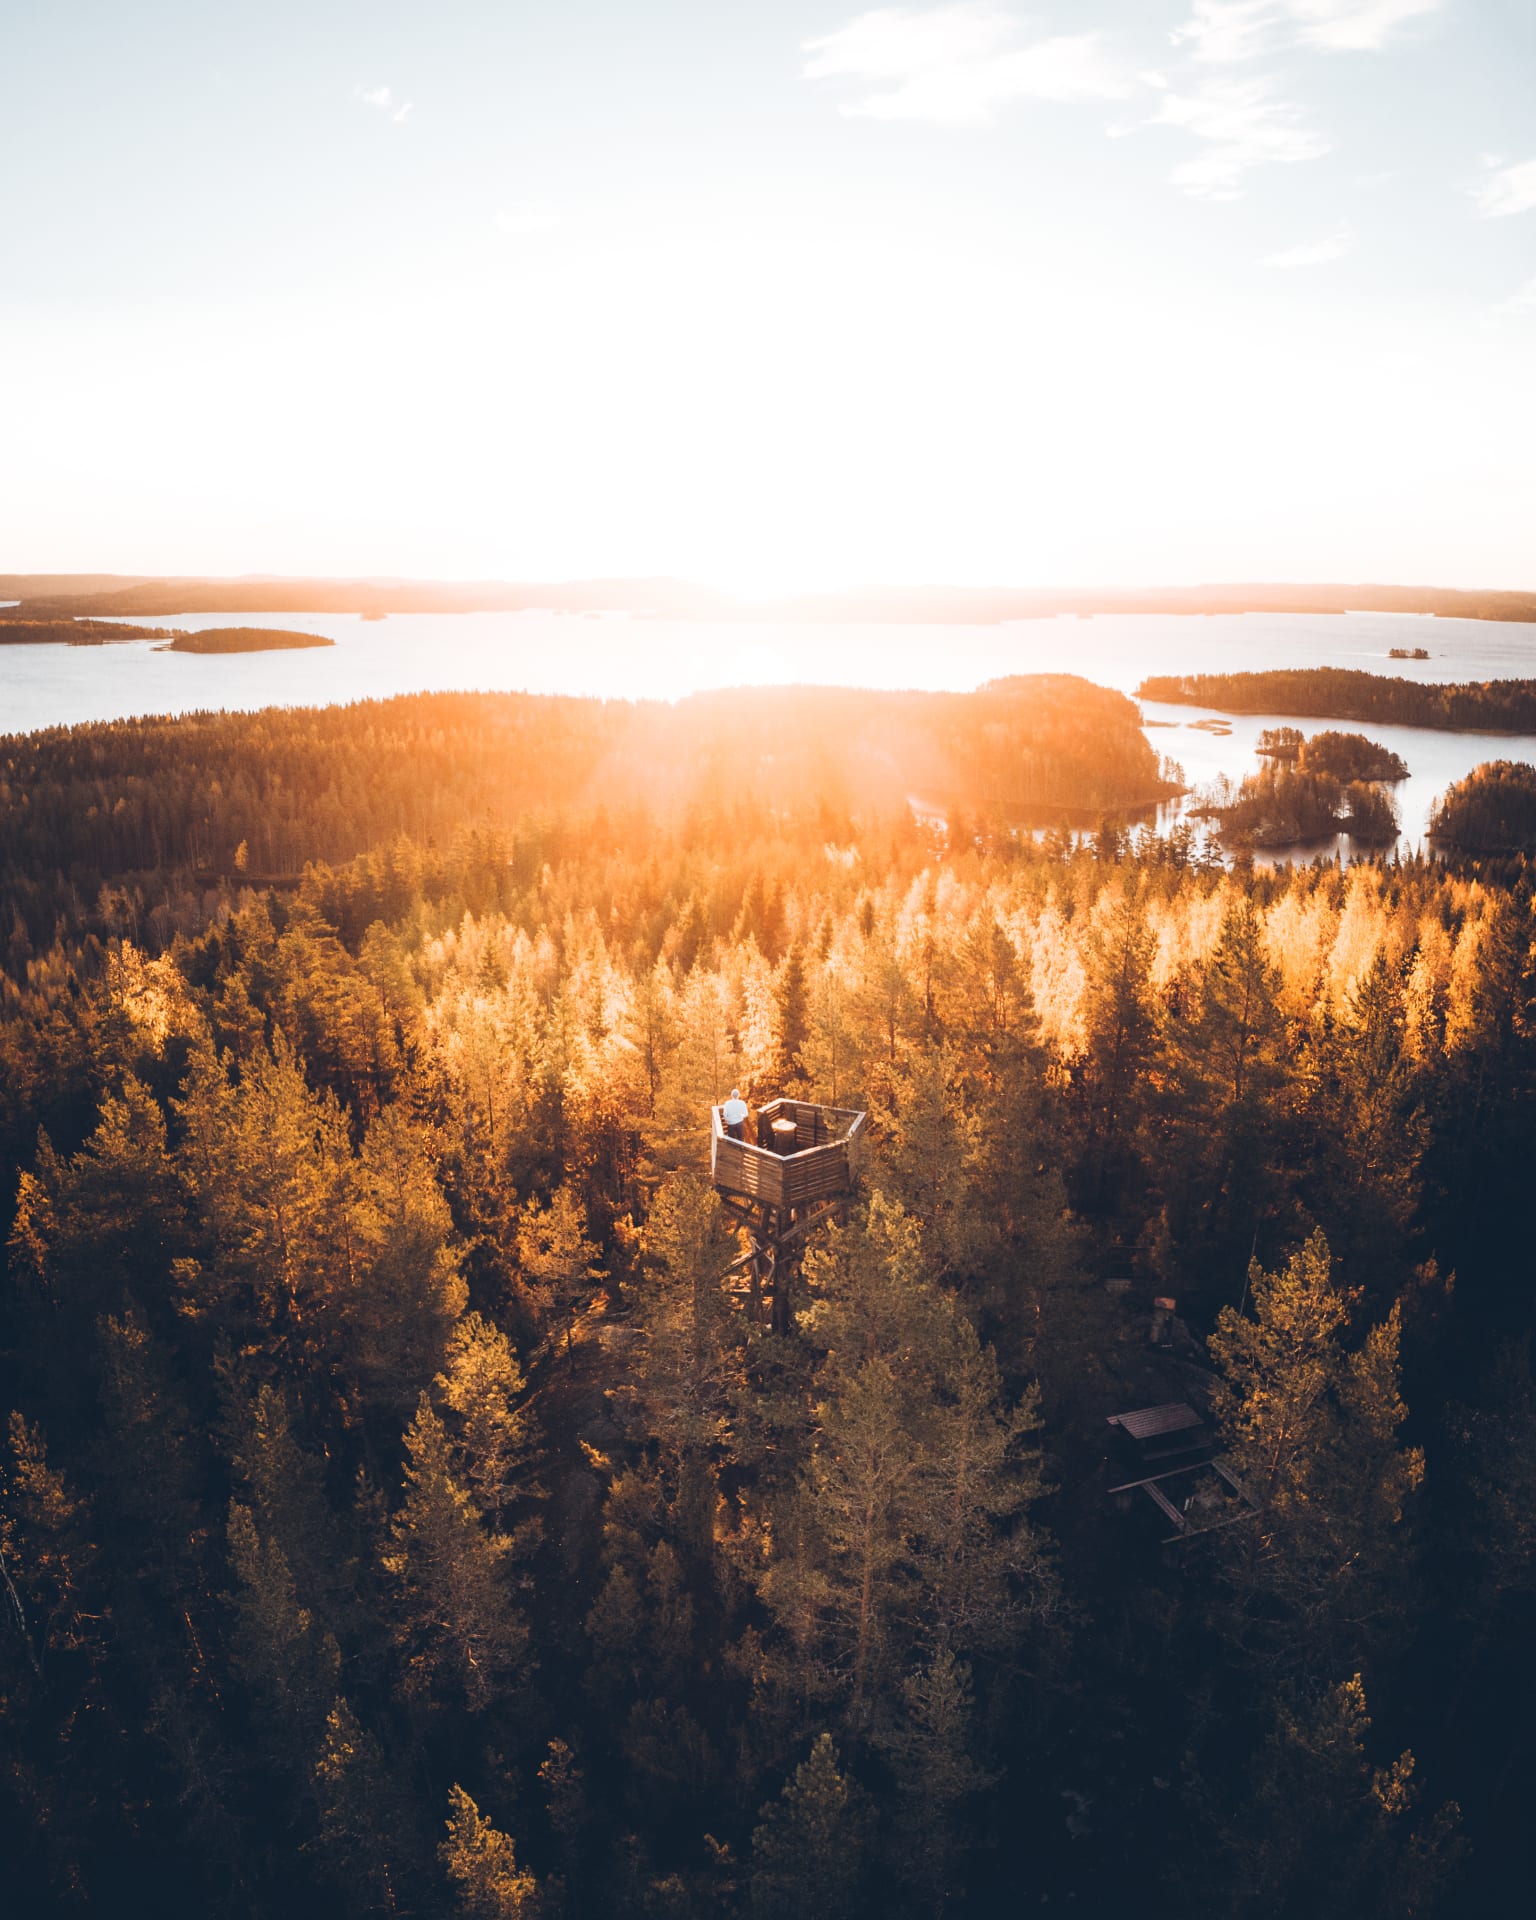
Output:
[[1308, 789], [243, 640]]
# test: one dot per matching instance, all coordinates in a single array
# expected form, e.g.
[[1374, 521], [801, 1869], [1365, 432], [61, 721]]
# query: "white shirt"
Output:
[[734, 1112]]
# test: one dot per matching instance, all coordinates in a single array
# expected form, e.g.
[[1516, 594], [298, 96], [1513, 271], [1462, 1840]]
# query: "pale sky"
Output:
[[771, 295]]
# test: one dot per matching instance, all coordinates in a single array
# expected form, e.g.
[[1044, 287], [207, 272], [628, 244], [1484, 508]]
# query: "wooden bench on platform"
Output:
[[1168, 1453]]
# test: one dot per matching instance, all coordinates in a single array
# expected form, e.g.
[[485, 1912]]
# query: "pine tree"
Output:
[[147, 1454], [108, 1222], [281, 1652], [407, 1290], [986, 1569], [1313, 1431], [928, 1158], [366, 1831], [481, 1861], [930, 1750], [1216, 1113], [1321, 1831], [271, 1166], [283, 1486], [689, 1362], [808, 1847], [792, 1023], [456, 1624], [559, 1261], [483, 1396], [1121, 1038], [46, 1556]]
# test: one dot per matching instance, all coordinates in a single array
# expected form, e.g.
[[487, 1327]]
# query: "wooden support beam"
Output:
[[770, 1243]]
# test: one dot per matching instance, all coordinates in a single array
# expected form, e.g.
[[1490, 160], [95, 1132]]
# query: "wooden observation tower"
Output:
[[795, 1175]]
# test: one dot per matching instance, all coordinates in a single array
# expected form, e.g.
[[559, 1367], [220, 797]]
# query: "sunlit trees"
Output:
[[1319, 1575], [910, 1517], [483, 1399], [412, 1430], [481, 1862], [558, 1261], [461, 1638], [1120, 1036], [1218, 1118]]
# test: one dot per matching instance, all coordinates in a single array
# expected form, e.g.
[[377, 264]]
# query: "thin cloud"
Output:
[[1507, 191], [1227, 31], [1521, 302], [957, 65], [384, 99], [1355, 26], [526, 219], [1242, 125], [1315, 253]]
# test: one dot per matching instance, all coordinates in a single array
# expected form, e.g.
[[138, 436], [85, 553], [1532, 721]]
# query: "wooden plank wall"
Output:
[[820, 1169]]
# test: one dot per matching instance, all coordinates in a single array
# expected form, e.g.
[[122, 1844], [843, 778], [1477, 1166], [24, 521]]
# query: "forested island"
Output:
[[1309, 789], [1492, 811], [166, 804], [1347, 693], [244, 640], [405, 1506]]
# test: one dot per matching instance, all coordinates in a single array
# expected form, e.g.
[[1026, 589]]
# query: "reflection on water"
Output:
[[619, 657]]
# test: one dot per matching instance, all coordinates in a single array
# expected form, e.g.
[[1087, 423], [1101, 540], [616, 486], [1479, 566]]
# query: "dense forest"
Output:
[[158, 811], [402, 1508], [1346, 693], [1349, 756], [1492, 811]]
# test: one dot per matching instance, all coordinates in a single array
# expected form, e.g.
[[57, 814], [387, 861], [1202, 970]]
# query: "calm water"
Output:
[[621, 657]]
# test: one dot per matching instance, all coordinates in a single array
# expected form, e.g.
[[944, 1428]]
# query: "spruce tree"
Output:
[[1320, 1572], [459, 1633], [481, 1861], [808, 1846]]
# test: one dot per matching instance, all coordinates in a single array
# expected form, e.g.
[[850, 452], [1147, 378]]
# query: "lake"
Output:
[[618, 656]]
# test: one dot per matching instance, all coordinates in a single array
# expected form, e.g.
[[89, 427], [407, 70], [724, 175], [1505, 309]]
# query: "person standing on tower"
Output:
[[734, 1114]]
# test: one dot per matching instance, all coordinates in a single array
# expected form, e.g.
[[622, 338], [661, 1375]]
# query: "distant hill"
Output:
[[57, 595], [74, 633]]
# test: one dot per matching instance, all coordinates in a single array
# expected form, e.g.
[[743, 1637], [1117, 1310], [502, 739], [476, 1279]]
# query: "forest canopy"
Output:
[[172, 804], [406, 1505]]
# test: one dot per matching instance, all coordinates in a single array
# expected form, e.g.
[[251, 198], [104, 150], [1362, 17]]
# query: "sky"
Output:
[[773, 296]]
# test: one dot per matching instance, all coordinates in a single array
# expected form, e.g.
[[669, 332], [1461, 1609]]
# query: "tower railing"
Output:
[[817, 1161]]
